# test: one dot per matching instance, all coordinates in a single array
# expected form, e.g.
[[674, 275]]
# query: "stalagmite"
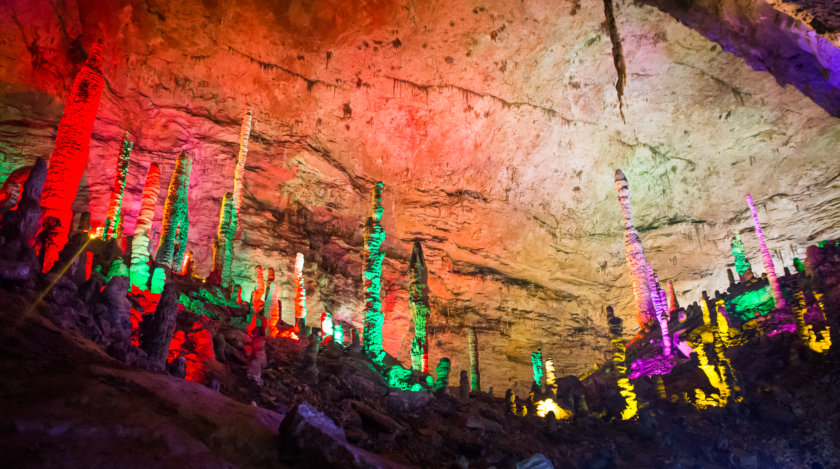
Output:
[[442, 375], [69, 158], [259, 290], [327, 324], [139, 272], [742, 265], [175, 223], [156, 329], [673, 305], [475, 374], [373, 318], [10, 191], [418, 304], [300, 293], [660, 306], [635, 254], [766, 259], [550, 378], [464, 385], [221, 248], [274, 313], [113, 218], [625, 386], [269, 291], [537, 367]]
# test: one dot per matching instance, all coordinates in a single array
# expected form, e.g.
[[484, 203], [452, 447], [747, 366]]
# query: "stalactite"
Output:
[[221, 248], [635, 254], [618, 55], [139, 272], [113, 217], [374, 235], [625, 386], [175, 223], [537, 367], [673, 305], [766, 259], [418, 304], [660, 306], [742, 265], [69, 158], [472, 347], [300, 293]]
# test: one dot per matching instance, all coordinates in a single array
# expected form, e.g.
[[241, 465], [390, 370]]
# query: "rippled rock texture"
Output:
[[493, 125]]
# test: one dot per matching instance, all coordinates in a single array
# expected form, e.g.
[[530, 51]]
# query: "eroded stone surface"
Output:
[[494, 128]]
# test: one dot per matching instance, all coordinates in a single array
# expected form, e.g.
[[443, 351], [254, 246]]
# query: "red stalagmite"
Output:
[[69, 158]]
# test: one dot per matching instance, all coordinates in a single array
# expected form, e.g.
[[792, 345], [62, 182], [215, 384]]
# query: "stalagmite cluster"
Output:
[[418, 304], [373, 318], [69, 158], [113, 217], [175, 225], [635, 254]]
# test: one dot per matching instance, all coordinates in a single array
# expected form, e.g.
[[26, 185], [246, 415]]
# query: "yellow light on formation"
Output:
[[548, 405]]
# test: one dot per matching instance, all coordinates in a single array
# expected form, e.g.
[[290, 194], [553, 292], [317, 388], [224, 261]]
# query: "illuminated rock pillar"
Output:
[[175, 224], [660, 306], [550, 377], [766, 259], [418, 304], [222, 248], [475, 374], [69, 158], [259, 291], [274, 314], [442, 375], [742, 265], [372, 278], [673, 305], [139, 272], [300, 293], [156, 329], [635, 254], [113, 218], [625, 386], [226, 271], [537, 367]]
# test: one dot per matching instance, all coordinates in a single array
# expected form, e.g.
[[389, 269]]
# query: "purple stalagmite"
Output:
[[766, 259], [635, 254], [660, 305]]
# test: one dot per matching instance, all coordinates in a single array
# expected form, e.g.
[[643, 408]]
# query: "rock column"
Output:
[[766, 259]]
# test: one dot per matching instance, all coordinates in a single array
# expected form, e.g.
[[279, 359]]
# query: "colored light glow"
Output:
[[373, 318], [742, 265], [338, 334], [550, 378], [442, 374], [625, 387], [175, 223], [70, 155], [752, 303], [259, 290], [300, 288], [472, 347], [418, 304], [660, 307], [657, 365], [819, 342], [158, 280], [327, 324], [537, 367], [548, 405], [140, 250]]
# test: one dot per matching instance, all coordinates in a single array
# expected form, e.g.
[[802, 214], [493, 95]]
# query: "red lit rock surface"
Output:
[[494, 127]]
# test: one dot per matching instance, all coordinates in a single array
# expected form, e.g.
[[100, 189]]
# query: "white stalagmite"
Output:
[[635, 254]]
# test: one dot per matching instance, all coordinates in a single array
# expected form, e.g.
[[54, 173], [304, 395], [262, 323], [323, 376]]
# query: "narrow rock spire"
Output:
[[418, 304], [766, 259], [635, 254]]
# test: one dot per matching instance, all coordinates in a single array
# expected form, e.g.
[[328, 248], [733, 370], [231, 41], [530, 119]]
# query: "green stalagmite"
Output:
[[142, 232], [372, 278], [113, 220], [418, 304], [175, 224], [742, 265], [236, 200], [442, 373], [222, 249], [537, 366]]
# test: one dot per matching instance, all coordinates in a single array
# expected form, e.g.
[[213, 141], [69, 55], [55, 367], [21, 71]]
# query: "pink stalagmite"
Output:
[[635, 254], [69, 158], [766, 259], [300, 291]]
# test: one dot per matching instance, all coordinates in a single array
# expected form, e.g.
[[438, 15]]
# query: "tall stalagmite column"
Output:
[[635, 254], [221, 248], [113, 218], [139, 272], [475, 374], [300, 292], [176, 223], [537, 367], [259, 291], [766, 259], [372, 279], [229, 230], [69, 158], [418, 303]]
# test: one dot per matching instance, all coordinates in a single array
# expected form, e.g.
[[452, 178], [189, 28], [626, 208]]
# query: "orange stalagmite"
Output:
[[69, 158], [635, 254], [257, 295]]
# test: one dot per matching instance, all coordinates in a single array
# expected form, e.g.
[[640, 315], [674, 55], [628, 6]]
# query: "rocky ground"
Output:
[[68, 402]]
